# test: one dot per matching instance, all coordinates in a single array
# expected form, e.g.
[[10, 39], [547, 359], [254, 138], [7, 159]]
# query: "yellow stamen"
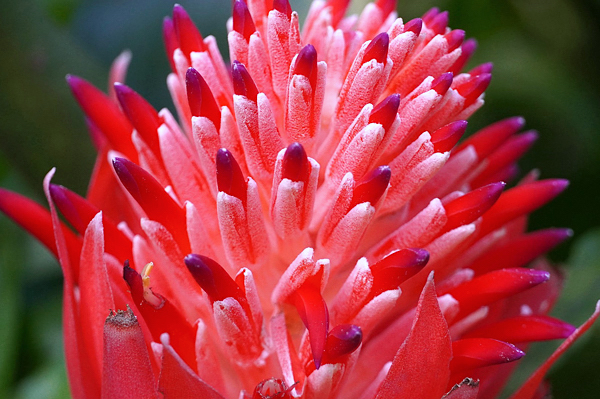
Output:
[[149, 296]]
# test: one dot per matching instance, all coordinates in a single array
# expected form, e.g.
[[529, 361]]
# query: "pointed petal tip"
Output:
[[442, 83], [445, 138], [414, 26], [295, 165], [377, 49], [385, 112], [454, 38], [342, 340]]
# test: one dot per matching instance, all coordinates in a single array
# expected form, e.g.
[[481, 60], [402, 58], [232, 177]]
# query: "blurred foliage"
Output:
[[544, 52]]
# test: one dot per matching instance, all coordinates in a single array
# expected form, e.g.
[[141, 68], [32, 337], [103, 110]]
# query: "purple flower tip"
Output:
[[243, 85], [295, 163], [343, 340], [378, 48]]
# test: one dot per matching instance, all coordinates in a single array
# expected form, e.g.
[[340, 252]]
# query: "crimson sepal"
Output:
[[486, 67], [430, 15], [306, 64], [377, 49], [474, 87], [372, 186], [283, 6], [171, 41], [37, 221], [521, 200], [79, 212], [313, 312], [200, 98], [385, 112], [141, 114], [242, 20], [466, 51], [495, 285], [386, 6], [525, 329], [213, 279], [272, 388], [342, 340], [295, 165], [446, 137], [508, 153], [467, 208], [396, 268], [338, 9], [520, 250], [471, 353], [162, 319], [188, 35], [230, 178], [414, 25], [442, 83], [104, 114], [486, 140], [454, 38], [243, 85], [153, 199]]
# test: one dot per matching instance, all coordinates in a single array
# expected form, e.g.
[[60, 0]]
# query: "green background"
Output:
[[546, 69]]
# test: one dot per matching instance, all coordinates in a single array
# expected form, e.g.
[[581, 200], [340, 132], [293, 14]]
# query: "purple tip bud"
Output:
[[242, 20], [430, 14], [188, 35], [243, 85], [377, 49], [385, 112], [439, 23], [474, 87], [487, 67], [230, 178], [203, 274], [442, 83], [390, 272], [446, 137], [372, 186], [342, 340], [306, 64], [295, 165], [414, 26], [200, 98], [283, 6], [121, 167], [454, 38]]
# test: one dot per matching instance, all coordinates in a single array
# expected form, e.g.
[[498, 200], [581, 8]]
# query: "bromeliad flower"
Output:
[[310, 228]]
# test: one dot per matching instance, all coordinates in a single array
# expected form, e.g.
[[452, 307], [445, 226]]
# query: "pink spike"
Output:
[[141, 114], [521, 250], [386, 6], [154, 200], [439, 23], [430, 15], [338, 10], [396, 268], [442, 83], [521, 200], [79, 212], [230, 178], [213, 279], [171, 41], [189, 37], [471, 353], [486, 67], [377, 48], [295, 164], [414, 26], [446, 137], [495, 285], [125, 350], [385, 112], [243, 85], [37, 221], [467, 50], [306, 64], [283, 6], [486, 140], [242, 20], [342, 340], [508, 153], [372, 186], [104, 114], [466, 209], [314, 314], [522, 329], [200, 98], [474, 87], [454, 38]]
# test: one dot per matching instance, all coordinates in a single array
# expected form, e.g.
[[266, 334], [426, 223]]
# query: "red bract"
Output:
[[310, 227]]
